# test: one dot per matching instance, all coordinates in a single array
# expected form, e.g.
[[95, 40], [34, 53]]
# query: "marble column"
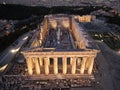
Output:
[[78, 61], [73, 71], [37, 66], [87, 63], [46, 60], [55, 65], [71, 61], [40, 42], [49, 61], [40, 61], [30, 66], [41, 36], [64, 62], [90, 68], [82, 68]]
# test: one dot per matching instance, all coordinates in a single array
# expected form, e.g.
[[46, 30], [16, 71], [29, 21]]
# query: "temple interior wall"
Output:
[[40, 36], [79, 40], [84, 18], [63, 23]]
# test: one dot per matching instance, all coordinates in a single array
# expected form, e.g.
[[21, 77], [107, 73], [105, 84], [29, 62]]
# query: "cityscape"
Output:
[[59, 45]]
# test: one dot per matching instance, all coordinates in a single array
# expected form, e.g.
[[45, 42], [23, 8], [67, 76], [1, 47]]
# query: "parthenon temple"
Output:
[[60, 46]]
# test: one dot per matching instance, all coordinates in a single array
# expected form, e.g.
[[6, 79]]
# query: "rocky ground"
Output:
[[113, 61]]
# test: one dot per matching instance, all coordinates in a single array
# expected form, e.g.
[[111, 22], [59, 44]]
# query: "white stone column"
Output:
[[78, 61], [41, 36], [90, 68], [49, 61], [37, 66], [46, 60], [40, 42], [40, 61], [64, 62], [87, 63], [82, 68], [71, 61], [73, 71], [29, 65], [55, 65]]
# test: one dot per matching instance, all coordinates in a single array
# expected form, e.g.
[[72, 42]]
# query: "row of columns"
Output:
[[85, 63]]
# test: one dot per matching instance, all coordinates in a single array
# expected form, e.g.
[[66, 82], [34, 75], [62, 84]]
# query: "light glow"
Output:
[[102, 40], [25, 38], [15, 50], [3, 68], [96, 35], [119, 51]]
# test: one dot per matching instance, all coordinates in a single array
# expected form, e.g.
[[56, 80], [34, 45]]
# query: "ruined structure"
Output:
[[60, 46]]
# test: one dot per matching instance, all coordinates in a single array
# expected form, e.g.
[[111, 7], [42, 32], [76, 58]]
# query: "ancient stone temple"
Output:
[[60, 46]]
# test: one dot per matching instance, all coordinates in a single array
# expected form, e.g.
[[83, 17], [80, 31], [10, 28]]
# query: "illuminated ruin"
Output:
[[60, 46]]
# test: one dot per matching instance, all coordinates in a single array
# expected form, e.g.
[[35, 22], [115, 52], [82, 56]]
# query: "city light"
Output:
[[25, 38], [119, 51], [3, 67], [102, 40], [15, 50], [4, 3], [96, 35]]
